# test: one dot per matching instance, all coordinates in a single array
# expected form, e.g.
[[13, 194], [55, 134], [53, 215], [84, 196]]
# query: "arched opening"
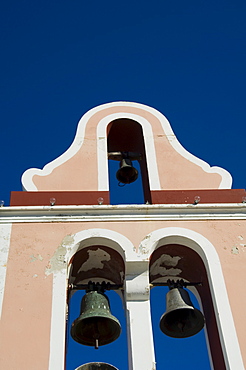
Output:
[[126, 135], [96, 263], [175, 353], [114, 353], [175, 261]]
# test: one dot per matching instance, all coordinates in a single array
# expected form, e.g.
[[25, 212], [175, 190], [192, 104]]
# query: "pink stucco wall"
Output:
[[28, 294]]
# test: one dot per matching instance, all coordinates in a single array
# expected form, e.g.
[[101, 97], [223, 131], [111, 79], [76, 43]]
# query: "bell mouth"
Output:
[[89, 330], [182, 323]]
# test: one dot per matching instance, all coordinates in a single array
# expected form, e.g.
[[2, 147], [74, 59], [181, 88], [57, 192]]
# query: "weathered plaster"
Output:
[[234, 250], [35, 258], [58, 261], [95, 260], [161, 266]]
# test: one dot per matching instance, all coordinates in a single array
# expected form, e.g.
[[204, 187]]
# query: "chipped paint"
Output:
[[143, 250], [162, 264], [144, 246], [67, 241], [95, 260], [57, 263], [163, 271], [36, 258], [235, 250]]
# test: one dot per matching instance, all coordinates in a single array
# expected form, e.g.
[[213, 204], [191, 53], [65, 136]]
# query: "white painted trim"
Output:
[[141, 353], [133, 212], [5, 233], [137, 305], [27, 177], [197, 242], [58, 321], [154, 180], [60, 278]]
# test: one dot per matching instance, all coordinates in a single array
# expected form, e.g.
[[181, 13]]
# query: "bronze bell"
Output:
[[181, 319], [96, 366], [95, 326], [126, 174]]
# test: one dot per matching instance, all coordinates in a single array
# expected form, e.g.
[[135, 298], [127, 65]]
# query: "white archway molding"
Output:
[[102, 158], [78, 241], [205, 249], [27, 177], [106, 237]]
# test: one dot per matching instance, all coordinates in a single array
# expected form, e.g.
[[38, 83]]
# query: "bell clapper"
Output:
[[96, 344], [181, 326], [96, 336]]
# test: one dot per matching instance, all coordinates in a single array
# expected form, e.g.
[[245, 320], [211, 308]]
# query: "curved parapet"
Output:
[[84, 166]]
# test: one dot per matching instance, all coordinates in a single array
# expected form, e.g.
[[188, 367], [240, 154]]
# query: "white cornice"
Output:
[[134, 212]]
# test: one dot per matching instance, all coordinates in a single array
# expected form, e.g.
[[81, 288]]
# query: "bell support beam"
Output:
[[139, 328]]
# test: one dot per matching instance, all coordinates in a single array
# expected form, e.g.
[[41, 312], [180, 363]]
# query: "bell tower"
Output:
[[62, 234]]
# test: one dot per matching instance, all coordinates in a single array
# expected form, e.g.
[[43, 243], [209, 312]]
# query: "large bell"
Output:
[[126, 174], [181, 319], [96, 366], [95, 326]]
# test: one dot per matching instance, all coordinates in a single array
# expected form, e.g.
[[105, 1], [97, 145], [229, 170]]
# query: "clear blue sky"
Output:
[[61, 58]]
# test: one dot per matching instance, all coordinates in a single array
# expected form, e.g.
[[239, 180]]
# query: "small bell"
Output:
[[96, 366], [126, 173], [181, 319], [95, 326]]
